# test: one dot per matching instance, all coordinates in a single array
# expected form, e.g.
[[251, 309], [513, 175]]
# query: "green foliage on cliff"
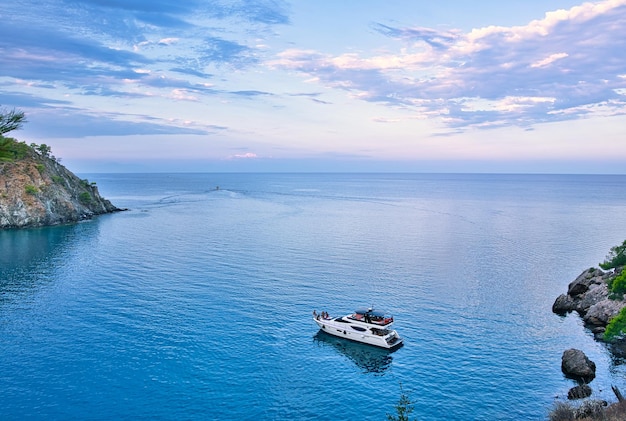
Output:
[[617, 326], [30, 189], [11, 149], [617, 285], [615, 258], [85, 198], [43, 149]]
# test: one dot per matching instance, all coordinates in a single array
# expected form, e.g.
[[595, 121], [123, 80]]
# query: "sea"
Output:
[[196, 303]]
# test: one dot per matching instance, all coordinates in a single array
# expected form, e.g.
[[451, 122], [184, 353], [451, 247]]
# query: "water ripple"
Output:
[[196, 303]]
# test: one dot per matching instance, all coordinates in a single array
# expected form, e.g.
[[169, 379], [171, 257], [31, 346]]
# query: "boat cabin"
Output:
[[369, 315]]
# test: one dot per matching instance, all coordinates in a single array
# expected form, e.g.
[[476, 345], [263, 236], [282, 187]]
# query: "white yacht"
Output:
[[368, 326]]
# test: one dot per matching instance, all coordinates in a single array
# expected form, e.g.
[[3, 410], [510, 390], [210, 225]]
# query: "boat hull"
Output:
[[359, 333]]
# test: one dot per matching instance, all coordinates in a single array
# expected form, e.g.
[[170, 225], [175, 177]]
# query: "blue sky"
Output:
[[271, 85]]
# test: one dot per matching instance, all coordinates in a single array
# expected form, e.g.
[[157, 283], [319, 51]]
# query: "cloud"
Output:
[[23, 100], [89, 59], [168, 41], [549, 60], [75, 50], [434, 38], [567, 65], [218, 50], [93, 38], [251, 94], [68, 122], [270, 12], [386, 120], [247, 155]]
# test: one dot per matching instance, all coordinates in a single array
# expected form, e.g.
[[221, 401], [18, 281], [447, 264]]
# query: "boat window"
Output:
[[380, 332], [359, 328]]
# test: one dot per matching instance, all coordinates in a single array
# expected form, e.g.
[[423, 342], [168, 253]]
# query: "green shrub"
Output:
[[617, 285], [563, 411], [30, 189], [566, 411], [43, 149], [11, 149], [404, 408], [616, 326], [57, 179], [40, 168], [85, 198], [615, 258]]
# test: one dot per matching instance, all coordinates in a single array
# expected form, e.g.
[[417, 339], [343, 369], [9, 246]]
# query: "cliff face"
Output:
[[36, 190], [589, 296]]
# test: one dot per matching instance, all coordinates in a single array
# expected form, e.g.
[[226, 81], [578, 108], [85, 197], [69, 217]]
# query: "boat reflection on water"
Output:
[[368, 358]]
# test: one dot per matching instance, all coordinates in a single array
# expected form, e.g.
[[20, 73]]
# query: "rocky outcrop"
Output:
[[589, 296], [589, 288], [36, 190], [579, 392], [575, 365]]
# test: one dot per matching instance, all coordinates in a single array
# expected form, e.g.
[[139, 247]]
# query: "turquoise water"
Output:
[[196, 303]]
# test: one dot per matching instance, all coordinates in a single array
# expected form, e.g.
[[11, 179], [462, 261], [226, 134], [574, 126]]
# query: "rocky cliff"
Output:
[[589, 296], [36, 190]]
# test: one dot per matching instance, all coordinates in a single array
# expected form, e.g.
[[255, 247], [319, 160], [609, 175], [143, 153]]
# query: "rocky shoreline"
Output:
[[36, 190], [589, 296]]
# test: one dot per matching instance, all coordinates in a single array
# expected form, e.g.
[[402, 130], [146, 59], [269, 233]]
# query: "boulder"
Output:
[[563, 304], [575, 365], [579, 392]]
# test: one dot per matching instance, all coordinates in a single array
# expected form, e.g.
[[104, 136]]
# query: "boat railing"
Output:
[[381, 321]]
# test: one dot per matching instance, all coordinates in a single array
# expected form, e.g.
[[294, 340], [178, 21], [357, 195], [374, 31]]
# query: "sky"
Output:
[[329, 85]]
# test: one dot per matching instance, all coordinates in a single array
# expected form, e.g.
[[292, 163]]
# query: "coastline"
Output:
[[39, 191], [590, 297]]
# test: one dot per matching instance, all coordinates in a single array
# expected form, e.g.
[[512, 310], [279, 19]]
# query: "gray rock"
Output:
[[583, 282], [563, 304], [595, 294], [575, 365], [602, 312], [579, 392], [588, 295]]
